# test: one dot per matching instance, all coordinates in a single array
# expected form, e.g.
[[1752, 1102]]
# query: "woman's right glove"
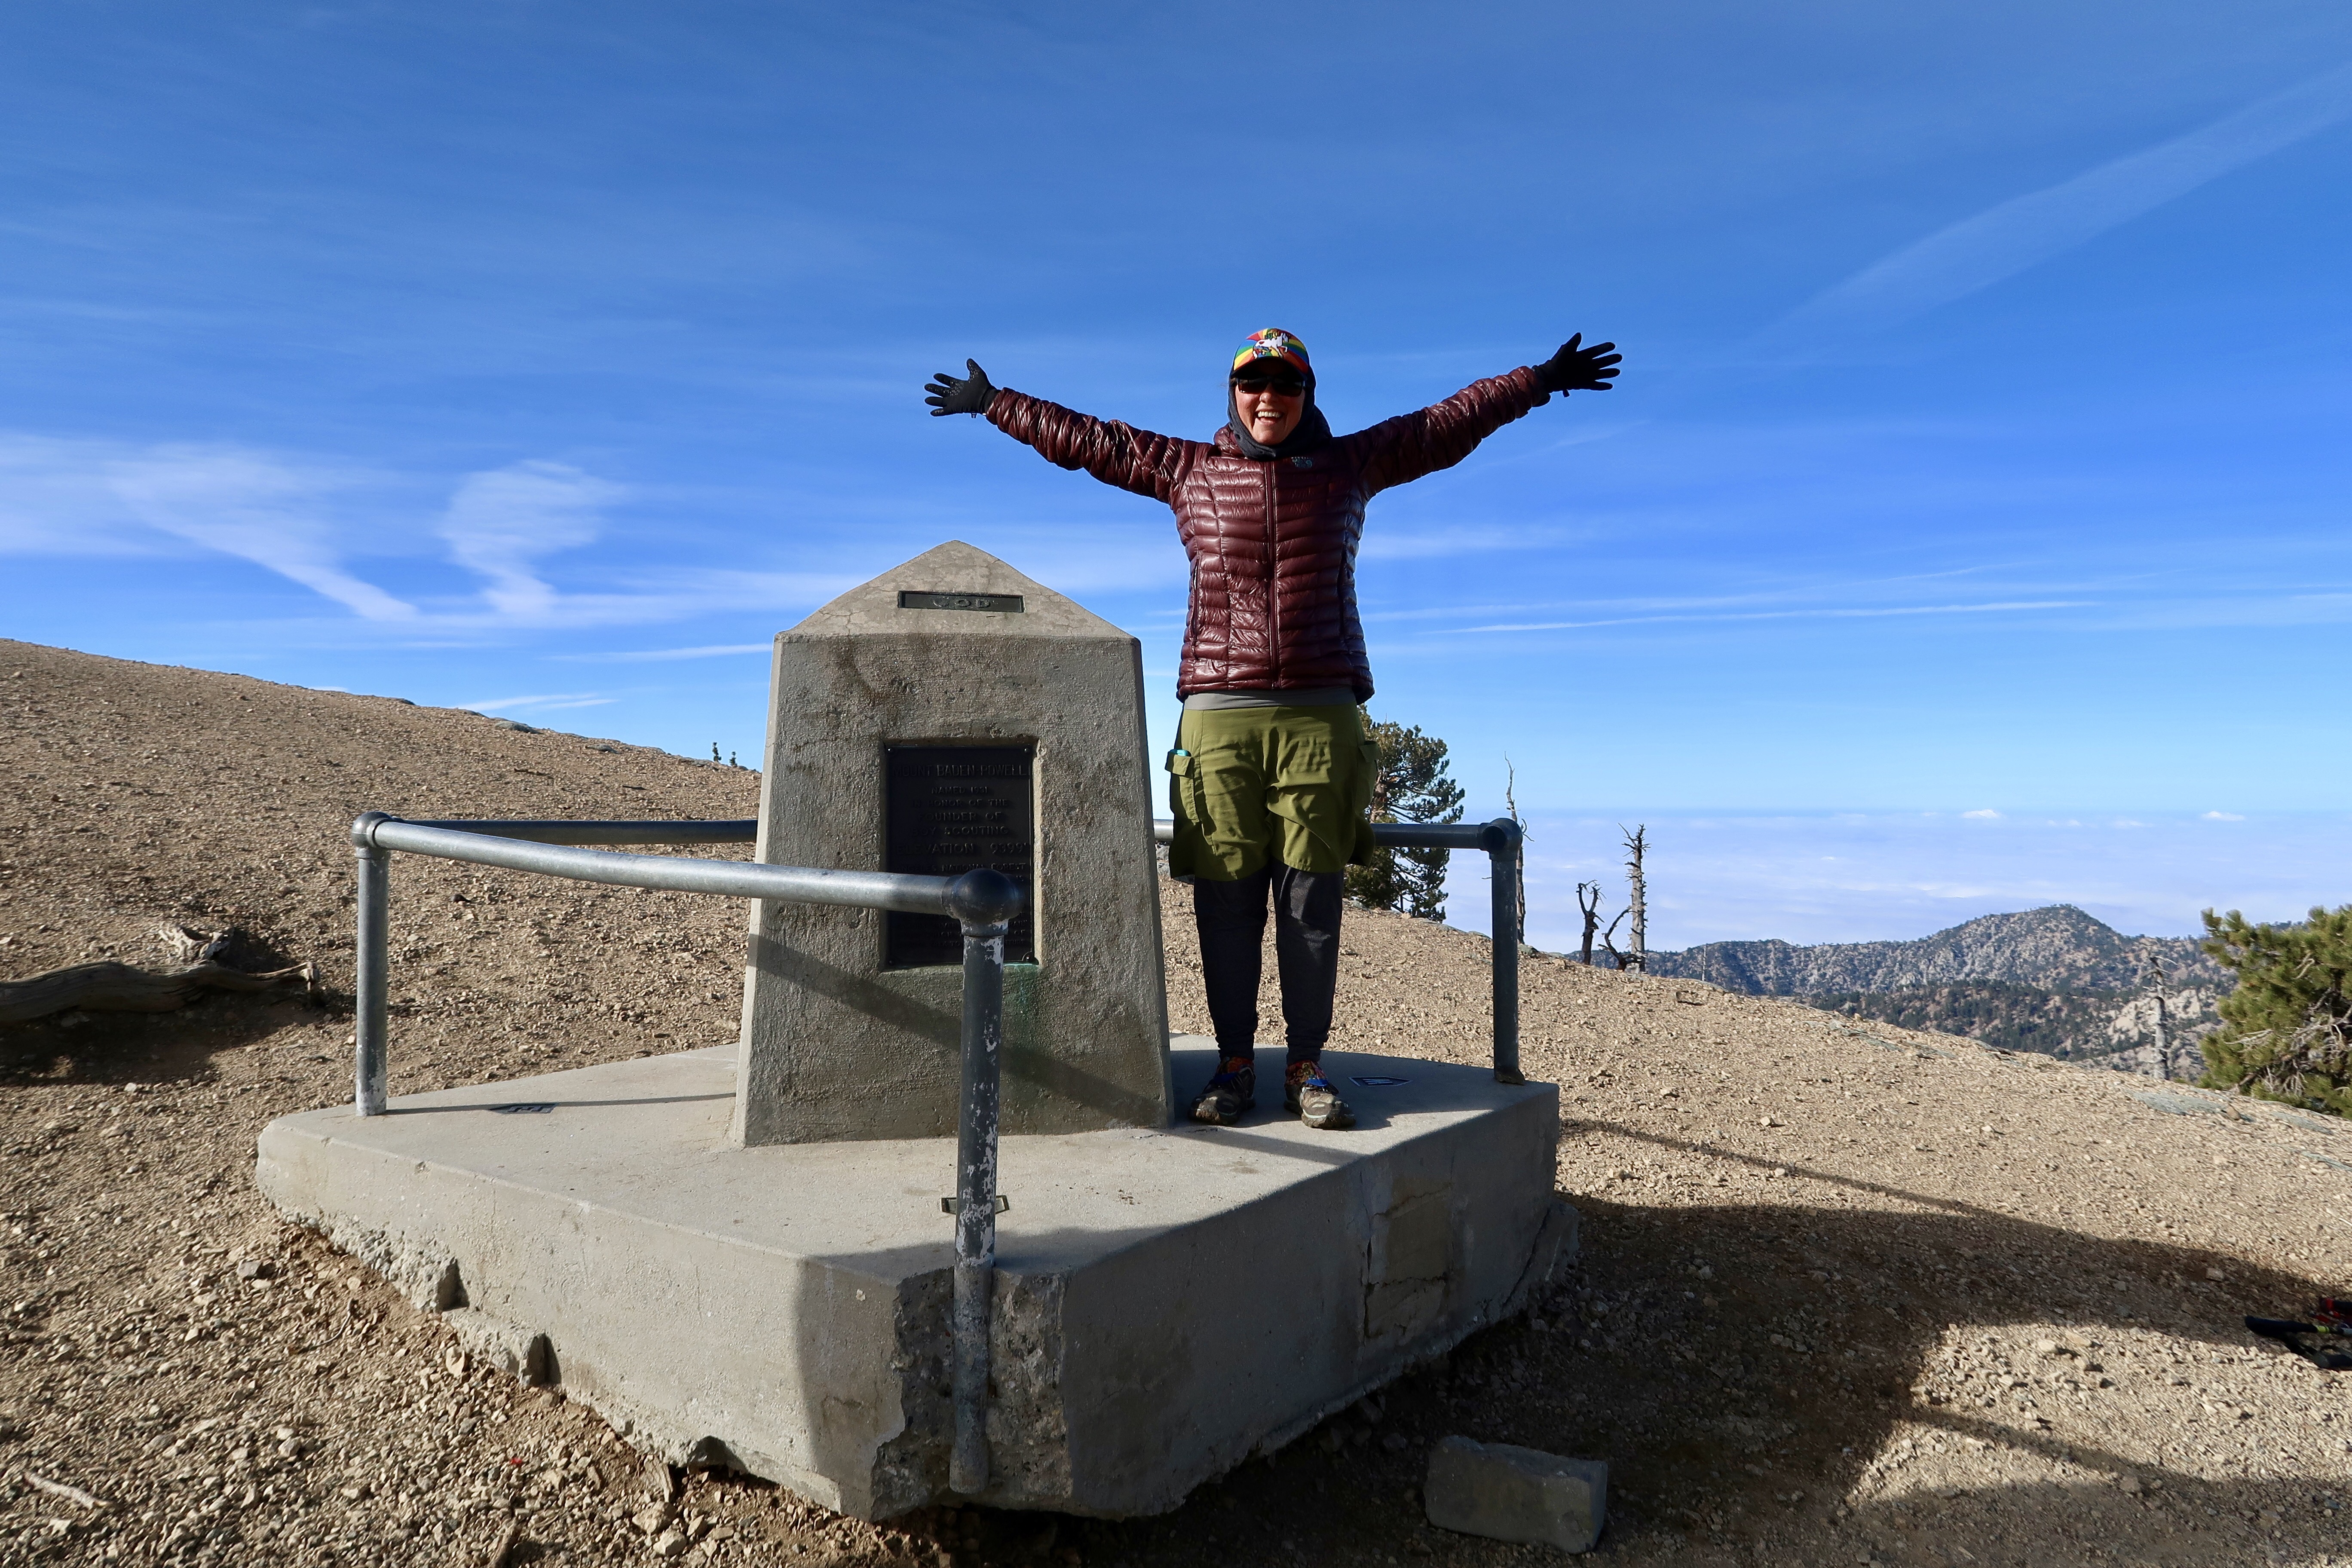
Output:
[[1575, 369], [969, 394]]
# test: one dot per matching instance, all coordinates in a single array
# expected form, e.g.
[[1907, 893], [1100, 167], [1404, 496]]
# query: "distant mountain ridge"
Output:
[[2057, 947]]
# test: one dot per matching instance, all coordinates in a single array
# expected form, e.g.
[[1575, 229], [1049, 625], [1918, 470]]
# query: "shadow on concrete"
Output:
[[1026, 1064], [554, 1103]]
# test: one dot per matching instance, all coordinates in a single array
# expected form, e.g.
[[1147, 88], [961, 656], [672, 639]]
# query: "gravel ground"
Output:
[[1846, 1295]]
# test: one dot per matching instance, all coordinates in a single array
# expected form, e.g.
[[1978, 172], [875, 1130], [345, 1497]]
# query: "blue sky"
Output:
[[1980, 446]]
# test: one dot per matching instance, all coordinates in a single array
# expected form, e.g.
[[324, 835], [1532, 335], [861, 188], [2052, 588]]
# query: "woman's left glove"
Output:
[[968, 395], [1575, 369]]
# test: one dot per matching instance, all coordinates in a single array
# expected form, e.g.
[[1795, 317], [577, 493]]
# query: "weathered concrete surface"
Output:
[[824, 1024], [1167, 1300], [1510, 1493]]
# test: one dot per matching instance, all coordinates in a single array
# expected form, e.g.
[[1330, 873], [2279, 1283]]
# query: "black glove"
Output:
[[1575, 369], [969, 396]]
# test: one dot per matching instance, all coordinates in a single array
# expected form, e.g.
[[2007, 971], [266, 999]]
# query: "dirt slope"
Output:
[[1846, 1295]]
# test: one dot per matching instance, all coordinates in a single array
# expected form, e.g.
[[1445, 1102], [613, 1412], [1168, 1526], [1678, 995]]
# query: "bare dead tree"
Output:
[[1637, 905], [1587, 903], [2163, 1041], [1511, 804], [1609, 941]]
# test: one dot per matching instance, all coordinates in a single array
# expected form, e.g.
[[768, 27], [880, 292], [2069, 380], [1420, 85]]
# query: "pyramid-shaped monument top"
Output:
[[950, 714], [950, 589]]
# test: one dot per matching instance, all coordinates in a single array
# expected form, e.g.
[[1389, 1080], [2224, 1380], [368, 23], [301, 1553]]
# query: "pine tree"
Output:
[[1412, 787], [2286, 1030]]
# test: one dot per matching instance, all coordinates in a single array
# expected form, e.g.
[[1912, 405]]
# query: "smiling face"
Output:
[[1269, 403]]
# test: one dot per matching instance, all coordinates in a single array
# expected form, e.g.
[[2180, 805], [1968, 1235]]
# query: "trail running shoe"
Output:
[[1230, 1095], [1308, 1095]]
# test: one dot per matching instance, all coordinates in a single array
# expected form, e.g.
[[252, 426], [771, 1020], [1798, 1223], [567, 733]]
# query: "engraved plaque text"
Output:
[[948, 810]]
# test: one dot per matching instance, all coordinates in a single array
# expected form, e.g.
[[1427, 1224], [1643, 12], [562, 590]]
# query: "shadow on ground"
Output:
[[177, 1047], [1741, 1409]]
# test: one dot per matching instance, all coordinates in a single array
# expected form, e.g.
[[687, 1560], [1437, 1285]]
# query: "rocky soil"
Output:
[[1847, 1293]]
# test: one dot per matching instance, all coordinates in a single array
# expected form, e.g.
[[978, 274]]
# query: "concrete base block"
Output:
[[1510, 1493], [518, 1351], [1168, 1302]]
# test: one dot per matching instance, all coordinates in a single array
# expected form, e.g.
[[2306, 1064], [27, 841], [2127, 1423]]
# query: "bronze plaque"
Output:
[[948, 810]]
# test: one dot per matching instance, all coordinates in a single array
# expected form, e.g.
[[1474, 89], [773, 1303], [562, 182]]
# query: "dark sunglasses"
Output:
[[1281, 386]]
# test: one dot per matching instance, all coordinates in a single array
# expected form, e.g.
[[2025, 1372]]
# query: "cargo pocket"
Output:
[[1184, 789], [1184, 805]]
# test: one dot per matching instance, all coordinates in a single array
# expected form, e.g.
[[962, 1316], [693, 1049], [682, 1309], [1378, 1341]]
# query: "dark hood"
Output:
[[1312, 431]]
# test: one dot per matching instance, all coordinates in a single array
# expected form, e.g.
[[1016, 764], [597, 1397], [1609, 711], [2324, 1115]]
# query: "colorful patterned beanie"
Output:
[[1273, 343]]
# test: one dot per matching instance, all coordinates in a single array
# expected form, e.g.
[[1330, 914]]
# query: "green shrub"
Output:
[[2286, 1030]]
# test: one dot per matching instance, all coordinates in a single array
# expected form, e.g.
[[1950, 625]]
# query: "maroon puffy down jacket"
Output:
[[1273, 541]]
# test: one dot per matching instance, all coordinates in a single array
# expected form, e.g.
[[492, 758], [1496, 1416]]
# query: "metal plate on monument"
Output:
[[951, 809], [992, 603]]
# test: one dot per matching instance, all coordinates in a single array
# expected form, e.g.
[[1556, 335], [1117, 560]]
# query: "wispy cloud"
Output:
[[548, 703], [655, 655], [499, 524], [1384, 544], [2223, 817], [2005, 240], [1822, 613], [305, 517], [83, 498], [253, 506]]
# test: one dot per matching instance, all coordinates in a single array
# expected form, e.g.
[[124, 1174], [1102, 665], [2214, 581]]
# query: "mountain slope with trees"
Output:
[[2056, 981], [2058, 948]]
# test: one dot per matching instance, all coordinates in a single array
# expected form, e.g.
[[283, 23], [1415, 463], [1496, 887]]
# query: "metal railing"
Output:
[[1500, 839], [981, 902]]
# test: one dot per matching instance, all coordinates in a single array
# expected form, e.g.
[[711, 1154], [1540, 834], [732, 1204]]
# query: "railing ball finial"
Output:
[[984, 897]]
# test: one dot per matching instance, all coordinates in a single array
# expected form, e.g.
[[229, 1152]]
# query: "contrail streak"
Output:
[[2004, 240]]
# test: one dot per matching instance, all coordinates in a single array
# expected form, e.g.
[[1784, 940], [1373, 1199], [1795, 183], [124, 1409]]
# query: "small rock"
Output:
[[670, 1545], [1510, 1493], [1395, 1443], [257, 1269], [2215, 1274], [2045, 1347], [651, 1520]]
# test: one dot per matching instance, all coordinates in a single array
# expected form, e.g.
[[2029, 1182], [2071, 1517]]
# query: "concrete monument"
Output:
[[739, 1255], [948, 714]]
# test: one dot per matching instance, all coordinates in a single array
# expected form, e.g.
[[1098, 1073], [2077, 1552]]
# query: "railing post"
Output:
[[985, 902], [372, 977], [1502, 839]]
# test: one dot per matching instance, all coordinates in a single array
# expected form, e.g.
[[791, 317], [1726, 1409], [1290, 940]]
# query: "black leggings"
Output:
[[1231, 917]]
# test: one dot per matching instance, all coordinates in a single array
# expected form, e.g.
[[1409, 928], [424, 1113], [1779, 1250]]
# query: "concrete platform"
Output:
[[1168, 1302]]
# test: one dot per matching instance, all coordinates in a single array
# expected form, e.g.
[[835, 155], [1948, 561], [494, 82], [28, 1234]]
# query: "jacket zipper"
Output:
[[1273, 595]]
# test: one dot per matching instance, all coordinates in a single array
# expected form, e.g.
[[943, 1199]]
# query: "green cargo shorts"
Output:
[[1248, 783]]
